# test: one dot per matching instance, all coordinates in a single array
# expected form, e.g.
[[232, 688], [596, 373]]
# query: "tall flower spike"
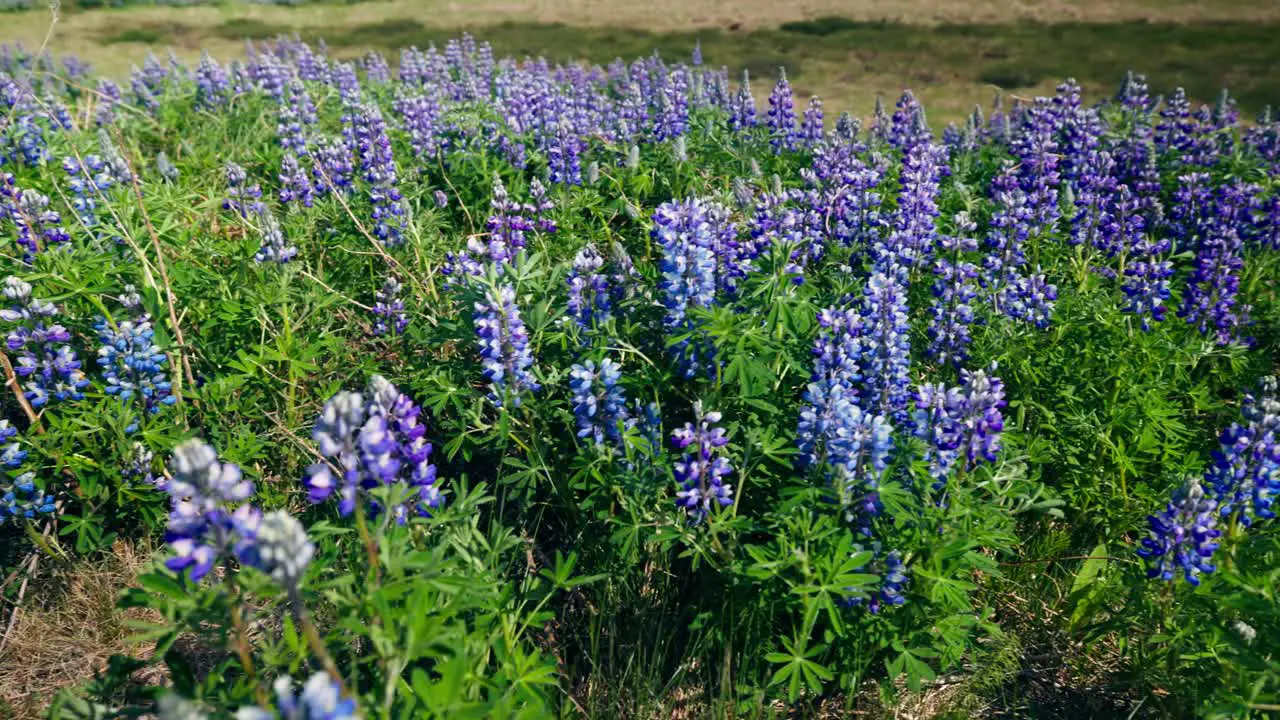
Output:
[[210, 514], [46, 360], [133, 366], [1246, 469], [281, 549], [504, 347], [590, 301], [702, 469], [953, 291], [886, 357], [599, 404], [388, 309], [687, 239], [1183, 536], [781, 120], [275, 247], [374, 440]]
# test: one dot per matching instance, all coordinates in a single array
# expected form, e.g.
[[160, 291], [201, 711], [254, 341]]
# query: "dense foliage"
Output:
[[489, 388]]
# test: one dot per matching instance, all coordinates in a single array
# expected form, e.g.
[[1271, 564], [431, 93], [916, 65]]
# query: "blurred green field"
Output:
[[952, 53]]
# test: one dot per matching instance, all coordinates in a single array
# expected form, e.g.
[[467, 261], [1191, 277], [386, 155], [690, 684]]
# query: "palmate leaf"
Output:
[[799, 670]]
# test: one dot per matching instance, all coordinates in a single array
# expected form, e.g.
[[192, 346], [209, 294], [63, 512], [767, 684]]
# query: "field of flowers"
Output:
[[486, 387]]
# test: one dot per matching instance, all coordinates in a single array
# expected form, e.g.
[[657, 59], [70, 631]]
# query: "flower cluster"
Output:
[[885, 357], [954, 290], [366, 132], [892, 573], [388, 309], [590, 299], [243, 198], [960, 425], [20, 497], [702, 469], [599, 404], [37, 228], [781, 119], [88, 183], [1184, 536], [504, 346], [1245, 476], [374, 441], [684, 232], [46, 360], [133, 366], [210, 512], [275, 247], [1211, 299]]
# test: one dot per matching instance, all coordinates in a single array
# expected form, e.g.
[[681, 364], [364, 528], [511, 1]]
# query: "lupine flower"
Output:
[[599, 405], [1184, 135], [1146, 277], [914, 230], [1184, 536], [907, 127], [13, 455], [106, 97], [885, 362], [297, 114], [138, 470], [1016, 293], [702, 469], [332, 167], [366, 132], [852, 444], [166, 168], [210, 515], [275, 247], [1211, 300], [88, 182], [688, 274], [371, 441], [1263, 140], [213, 89], [20, 497], [133, 366], [321, 699], [45, 357], [811, 129], [243, 198], [742, 114], [1245, 475], [590, 300], [420, 115], [504, 347], [507, 226], [961, 425], [893, 577], [1038, 154], [38, 228], [295, 184], [953, 291], [281, 549], [388, 309], [781, 119], [564, 156], [540, 209]]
